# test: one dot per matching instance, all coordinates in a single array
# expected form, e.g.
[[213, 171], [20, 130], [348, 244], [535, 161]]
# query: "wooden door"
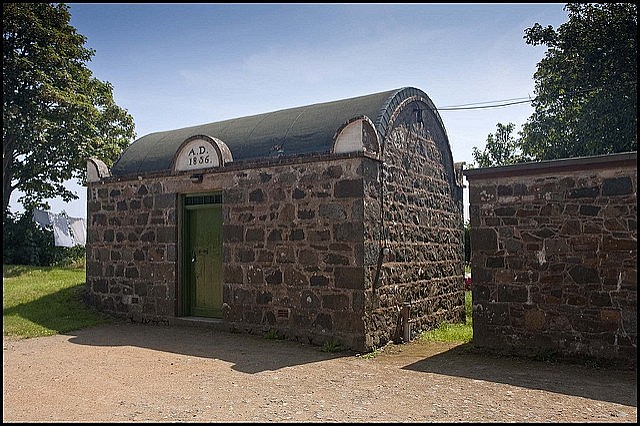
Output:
[[203, 260]]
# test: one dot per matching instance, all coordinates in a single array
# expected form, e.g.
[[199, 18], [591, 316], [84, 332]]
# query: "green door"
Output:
[[203, 260]]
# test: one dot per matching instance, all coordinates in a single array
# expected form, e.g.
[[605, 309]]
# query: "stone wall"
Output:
[[132, 247], [293, 257], [414, 210], [292, 237], [554, 258]]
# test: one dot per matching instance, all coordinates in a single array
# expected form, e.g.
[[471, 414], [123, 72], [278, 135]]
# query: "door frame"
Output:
[[183, 301]]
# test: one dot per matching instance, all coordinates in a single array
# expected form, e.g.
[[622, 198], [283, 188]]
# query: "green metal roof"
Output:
[[294, 131]]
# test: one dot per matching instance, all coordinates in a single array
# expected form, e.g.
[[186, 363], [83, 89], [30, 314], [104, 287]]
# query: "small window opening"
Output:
[[197, 200], [418, 113]]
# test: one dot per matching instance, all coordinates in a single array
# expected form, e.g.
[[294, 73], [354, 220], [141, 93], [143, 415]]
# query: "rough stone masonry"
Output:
[[554, 258]]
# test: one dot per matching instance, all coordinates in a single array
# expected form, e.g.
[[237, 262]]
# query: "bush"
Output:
[[25, 242]]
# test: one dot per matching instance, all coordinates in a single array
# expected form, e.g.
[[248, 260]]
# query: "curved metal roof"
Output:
[[293, 131]]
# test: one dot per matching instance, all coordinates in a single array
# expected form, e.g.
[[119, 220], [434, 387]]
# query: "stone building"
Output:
[[555, 258], [339, 221]]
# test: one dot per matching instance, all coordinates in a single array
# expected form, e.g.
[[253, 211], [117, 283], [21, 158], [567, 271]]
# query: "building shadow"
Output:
[[602, 384], [248, 353]]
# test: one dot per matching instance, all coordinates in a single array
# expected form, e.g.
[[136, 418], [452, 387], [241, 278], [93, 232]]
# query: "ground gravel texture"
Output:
[[127, 372]]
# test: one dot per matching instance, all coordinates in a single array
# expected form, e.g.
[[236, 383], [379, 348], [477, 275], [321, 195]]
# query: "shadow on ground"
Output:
[[616, 386], [248, 353], [253, 354]]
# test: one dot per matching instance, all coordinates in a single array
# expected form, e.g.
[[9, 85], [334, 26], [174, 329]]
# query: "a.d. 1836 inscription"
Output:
[[197, 154]]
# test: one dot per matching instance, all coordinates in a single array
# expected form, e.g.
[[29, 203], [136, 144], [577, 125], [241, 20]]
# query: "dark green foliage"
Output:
[[585, 89], [332, 346], [501, 149], [24, 242], [586, 85], [55, 114]]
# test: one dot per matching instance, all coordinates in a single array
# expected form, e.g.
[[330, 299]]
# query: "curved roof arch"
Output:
[[293, 131]]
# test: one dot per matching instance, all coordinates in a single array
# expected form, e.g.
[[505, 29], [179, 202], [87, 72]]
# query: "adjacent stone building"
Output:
[[554, 258], [340, 221]]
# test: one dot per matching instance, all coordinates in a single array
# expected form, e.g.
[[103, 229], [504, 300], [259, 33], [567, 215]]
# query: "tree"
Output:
[[586, 85], [55, 114], [25, 242], [501, 149]]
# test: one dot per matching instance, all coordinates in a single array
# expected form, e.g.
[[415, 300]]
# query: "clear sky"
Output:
[[178, 65]]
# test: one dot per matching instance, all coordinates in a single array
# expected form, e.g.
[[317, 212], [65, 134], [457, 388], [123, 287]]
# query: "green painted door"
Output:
[[204, 260]]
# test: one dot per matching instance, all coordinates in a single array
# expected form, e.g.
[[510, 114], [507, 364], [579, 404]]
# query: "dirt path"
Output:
[[129, 372]]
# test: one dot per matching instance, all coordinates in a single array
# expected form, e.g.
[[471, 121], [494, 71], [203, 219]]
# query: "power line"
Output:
[[479, 105], [452, 108], [486, 102]]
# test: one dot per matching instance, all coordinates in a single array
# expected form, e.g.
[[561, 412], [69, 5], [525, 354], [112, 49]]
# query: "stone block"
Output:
[[512, 293], [232, 233], [233, 274], [617, 186], [318, 281], [274, 277], [335, 302], [589, 192], [349, 277], [263, 297], [617, 244], [255, 275], [534, 320], [349, 188], [581, 275], [348, 231], [589, 210], [256, 196], [483, 239], [323, 322], [254, 234], [332, 211], [294, 277]]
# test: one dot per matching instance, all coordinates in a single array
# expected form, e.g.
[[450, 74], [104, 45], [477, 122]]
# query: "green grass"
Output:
[[370, 355], [453, 332], [332, 346], [273, 334], [43, 301]]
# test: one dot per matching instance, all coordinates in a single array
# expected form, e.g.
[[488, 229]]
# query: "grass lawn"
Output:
[[453, 332], [42, 301]]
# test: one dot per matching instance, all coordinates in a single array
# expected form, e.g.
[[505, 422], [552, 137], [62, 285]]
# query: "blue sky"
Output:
[[178, 65]]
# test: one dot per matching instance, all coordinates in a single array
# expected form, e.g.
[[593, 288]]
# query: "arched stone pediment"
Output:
[[201, 152]]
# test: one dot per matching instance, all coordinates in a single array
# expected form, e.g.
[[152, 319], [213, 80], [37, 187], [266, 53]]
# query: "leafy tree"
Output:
[[501, 149], [55, 114], [586, 99]]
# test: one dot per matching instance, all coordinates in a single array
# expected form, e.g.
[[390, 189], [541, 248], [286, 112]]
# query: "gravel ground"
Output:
[[130, 372]]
